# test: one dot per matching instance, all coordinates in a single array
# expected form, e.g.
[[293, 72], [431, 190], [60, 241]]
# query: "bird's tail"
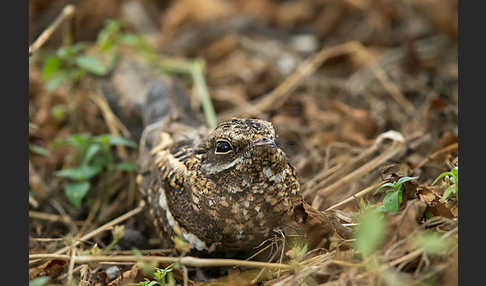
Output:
[[140, 96], [168, 98]]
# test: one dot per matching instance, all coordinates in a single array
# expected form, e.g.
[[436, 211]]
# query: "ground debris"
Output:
[[362, 94]]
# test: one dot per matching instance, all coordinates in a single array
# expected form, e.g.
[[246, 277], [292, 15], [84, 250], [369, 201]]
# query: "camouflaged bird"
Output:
[[226, 189]]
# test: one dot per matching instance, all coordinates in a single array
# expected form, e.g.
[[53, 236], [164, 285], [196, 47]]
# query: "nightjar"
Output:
[[227, 189]]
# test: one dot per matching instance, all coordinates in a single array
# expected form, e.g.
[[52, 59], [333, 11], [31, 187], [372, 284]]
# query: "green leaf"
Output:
[[59, 112], [390, 185], [441, 176], [55, 81], [102, 139], [147, 283], [170, 280], [90, 153], [391, 201], [91, 64], [405, 179], [79, 174], [127, 166], [448, 192], [114, 140], [431, 243], [78, 141], [51, 66], [455, 171], [109, 34], [76, 192], [141, 45], [160, 274], [370, 232], [39, 281], [67, 53], [36, 149], [130, 39]]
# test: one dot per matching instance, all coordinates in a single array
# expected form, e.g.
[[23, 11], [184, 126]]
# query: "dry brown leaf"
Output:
[[51, 268], [293, 12], [194, 11], [431, 195], [132, 275]]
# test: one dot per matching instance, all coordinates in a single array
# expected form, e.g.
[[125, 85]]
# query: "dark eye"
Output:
[[223, 147]]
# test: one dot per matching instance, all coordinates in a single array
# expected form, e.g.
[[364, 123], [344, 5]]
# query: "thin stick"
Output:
[[396, 148], [114, 124], [52, 217], [71, 266], [281, 93], [45, 239], [346, 263], [344, 168], [185, 275], [355, 196], [90, 217], [67, 12], [202, 90], [444, 150], [101, 229], [33, 202], [187, 260]]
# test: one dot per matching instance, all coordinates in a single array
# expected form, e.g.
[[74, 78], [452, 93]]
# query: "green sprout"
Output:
[[370, 231], [451, 179], [69, 64], [162, 277], [394, 194], [95, 157]]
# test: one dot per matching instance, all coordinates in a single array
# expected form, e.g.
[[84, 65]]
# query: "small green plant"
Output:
[[297, 253], [94, 157], [162, 277], [39, 150], [451, 179], [432, 243], [370, 231], [394, 194], [69, 64]]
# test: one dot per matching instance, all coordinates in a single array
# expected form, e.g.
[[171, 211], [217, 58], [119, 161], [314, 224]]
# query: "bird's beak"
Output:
[[265, 142]]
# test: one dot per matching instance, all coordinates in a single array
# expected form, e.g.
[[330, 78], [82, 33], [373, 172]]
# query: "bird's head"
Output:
[[242, 149]]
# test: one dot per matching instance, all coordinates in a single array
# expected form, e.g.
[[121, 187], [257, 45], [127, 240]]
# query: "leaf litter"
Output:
[[363, 95]]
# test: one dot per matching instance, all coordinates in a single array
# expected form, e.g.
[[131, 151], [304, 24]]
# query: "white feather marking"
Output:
[[211, 169], [267, 171], [191, 238]]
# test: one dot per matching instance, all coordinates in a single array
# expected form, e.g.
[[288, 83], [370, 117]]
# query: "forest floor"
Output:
[[363, 94]]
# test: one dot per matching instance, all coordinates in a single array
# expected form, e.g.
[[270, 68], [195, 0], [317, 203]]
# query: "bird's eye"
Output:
[[223, 147]]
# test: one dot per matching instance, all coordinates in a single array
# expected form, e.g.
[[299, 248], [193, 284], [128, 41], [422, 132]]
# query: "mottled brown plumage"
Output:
[[225, 200], [230, 188]]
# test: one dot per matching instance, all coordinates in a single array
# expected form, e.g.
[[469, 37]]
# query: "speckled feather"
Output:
[[232, 200], [192, 197]]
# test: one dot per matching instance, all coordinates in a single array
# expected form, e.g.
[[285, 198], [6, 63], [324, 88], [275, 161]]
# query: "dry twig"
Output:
[[396, 148], [100, 229], [444, 150], [355, 196], [187, 260], [66, 13], [114, 124], [281, 93]]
